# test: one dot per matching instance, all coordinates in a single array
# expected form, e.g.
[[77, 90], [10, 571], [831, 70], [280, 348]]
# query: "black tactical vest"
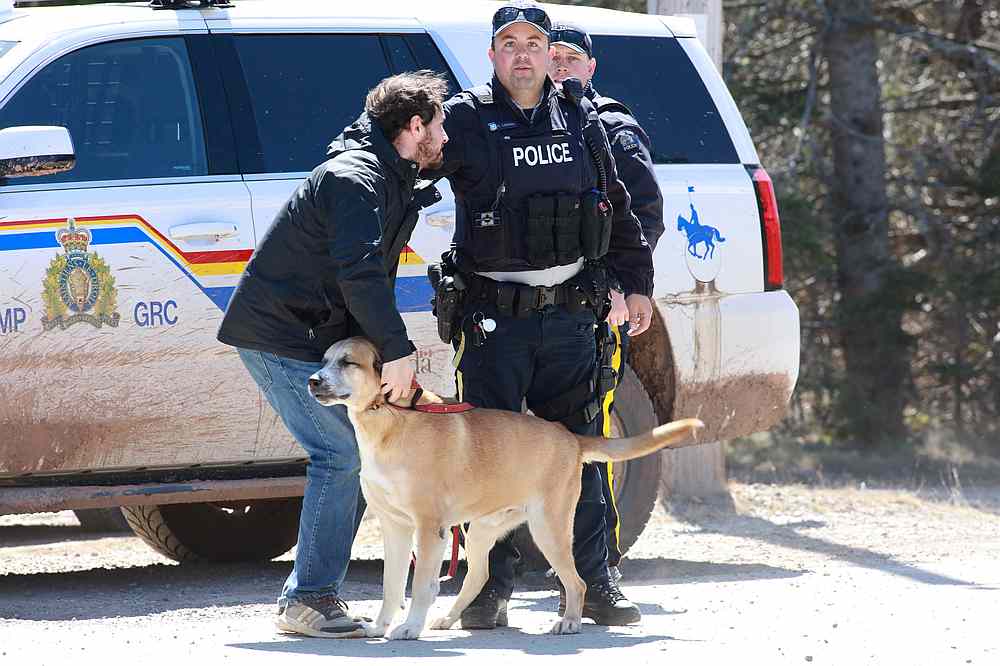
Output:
[[525, 214]]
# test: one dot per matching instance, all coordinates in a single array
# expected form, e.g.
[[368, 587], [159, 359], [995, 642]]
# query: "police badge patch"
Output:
[[78, 285], [628, 140]]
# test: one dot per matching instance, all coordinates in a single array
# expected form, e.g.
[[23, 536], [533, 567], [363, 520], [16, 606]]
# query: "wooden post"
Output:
[[707, 15], [699, 471]]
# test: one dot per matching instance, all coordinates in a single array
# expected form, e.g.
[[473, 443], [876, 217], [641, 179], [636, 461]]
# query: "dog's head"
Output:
[[351, 375]]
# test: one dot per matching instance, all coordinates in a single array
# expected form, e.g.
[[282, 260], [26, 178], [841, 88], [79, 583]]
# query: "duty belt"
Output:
[[520, 300]]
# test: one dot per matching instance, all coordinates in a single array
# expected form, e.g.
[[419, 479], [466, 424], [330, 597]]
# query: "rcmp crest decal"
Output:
[[78, 285]]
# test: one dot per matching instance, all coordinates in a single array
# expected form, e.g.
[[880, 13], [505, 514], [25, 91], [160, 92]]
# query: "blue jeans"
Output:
[[333, 504]]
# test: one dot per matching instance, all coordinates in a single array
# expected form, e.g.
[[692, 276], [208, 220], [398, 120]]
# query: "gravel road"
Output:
[[790, 574]]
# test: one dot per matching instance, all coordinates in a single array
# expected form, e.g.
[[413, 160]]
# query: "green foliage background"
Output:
[[939, 72]]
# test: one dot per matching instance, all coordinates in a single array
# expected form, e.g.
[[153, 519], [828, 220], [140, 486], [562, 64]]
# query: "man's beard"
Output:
[[427, 157]]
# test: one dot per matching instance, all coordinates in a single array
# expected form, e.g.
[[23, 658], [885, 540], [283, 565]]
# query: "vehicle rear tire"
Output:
[[636, 482], [248, 530], [102, 520]]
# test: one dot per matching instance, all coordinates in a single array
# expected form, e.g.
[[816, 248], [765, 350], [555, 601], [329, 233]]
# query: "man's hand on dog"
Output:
[[397, 377]]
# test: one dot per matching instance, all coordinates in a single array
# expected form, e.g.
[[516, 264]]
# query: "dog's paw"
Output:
[[442, 623], [373, 629], [405, 632], [565, 626]]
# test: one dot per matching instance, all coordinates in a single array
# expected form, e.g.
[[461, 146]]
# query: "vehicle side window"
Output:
[[130, 107], [654, 77], [417, 51], [400, 56], [305, 89]]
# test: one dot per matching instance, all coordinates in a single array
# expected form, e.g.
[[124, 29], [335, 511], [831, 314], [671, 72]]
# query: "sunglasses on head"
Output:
[[534, 15], [569, 36]]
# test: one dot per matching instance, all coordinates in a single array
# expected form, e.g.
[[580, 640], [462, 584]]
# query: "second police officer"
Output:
[[543, 230], [573, 57]]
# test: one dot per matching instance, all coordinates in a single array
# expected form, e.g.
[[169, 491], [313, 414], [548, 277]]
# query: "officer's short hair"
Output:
[[395, 100]]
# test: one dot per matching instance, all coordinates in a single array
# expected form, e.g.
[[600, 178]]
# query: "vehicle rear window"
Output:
[[654, 77], [6, 46]]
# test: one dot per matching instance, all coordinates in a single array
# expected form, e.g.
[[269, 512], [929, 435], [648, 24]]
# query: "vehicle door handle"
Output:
[[441, 218], [214, 231]]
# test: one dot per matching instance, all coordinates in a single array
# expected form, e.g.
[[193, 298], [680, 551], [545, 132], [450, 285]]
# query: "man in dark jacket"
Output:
[[573, 56], [324, 272]]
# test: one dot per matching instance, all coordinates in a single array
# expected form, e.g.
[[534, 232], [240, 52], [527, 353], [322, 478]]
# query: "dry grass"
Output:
[[938, 462]]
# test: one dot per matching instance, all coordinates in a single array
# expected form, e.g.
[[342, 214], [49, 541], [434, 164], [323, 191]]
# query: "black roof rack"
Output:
[[188, 4]]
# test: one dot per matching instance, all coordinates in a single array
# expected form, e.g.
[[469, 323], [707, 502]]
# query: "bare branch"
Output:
[[976, 52], [810, 97]]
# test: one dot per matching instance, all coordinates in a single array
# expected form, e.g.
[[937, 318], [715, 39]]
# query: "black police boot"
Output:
[[605, 604], [487, 611]]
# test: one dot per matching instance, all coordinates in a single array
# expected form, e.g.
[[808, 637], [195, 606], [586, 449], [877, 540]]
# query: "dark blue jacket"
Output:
[[631, 148]]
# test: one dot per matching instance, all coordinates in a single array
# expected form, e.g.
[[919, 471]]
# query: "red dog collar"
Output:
[[456, 408]]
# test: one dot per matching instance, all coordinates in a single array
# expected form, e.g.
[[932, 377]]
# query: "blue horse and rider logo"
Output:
[[698, 233]]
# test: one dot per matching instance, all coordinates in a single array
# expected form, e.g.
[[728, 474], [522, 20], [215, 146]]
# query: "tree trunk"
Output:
[[874, 345], [970, 21]]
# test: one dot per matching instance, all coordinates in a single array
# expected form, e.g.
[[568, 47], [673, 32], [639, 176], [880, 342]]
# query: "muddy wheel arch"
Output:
[[693, 471]]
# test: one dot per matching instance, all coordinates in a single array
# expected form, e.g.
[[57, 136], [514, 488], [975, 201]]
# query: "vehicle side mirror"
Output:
[[35, 151]]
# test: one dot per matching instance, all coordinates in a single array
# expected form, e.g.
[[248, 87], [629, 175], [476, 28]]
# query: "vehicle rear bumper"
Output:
[[735, 359]]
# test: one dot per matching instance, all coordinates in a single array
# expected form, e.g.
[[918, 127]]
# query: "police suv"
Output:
[[144, 150]]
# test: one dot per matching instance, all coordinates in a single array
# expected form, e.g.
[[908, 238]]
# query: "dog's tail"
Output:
[[676, 434]]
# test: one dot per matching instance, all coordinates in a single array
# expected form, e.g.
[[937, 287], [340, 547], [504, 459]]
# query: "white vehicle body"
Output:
[[134, 379]]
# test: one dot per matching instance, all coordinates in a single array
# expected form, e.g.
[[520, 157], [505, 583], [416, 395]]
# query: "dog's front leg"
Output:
[[431, 541], [396, 542], [478, 542]]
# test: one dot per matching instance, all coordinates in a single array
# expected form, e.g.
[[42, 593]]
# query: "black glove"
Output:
[[573, 90]]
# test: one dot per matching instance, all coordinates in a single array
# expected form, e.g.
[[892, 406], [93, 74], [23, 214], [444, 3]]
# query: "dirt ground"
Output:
[[783, 574]]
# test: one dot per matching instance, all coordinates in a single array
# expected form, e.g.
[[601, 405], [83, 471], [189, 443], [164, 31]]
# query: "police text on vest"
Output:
[[552, 153]]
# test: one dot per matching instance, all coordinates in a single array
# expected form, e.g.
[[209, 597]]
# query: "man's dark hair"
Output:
[[395, 100]]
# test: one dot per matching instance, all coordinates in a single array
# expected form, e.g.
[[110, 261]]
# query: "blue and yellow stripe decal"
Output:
[[214, 273]]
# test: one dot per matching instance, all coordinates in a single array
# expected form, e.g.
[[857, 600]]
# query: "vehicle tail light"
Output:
[[770, 228]]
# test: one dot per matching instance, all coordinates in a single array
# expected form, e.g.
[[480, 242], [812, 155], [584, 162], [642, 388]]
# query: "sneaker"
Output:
[[321, 617], [487, 611], [605, 604]]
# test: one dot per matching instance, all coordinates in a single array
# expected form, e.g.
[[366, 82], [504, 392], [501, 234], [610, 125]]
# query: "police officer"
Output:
[[543, 229], [573, 57], [322, 273]]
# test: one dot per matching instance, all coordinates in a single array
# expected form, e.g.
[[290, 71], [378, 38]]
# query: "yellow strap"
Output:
[[458, 373], [616, 363]]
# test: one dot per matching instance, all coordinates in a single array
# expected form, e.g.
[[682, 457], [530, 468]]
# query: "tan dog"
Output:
[[422, 473]]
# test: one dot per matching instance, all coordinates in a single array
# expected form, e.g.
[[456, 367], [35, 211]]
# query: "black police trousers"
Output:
[[536, 358]]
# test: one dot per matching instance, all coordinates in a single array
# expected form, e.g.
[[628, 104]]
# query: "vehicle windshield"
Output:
[[6, 46]]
